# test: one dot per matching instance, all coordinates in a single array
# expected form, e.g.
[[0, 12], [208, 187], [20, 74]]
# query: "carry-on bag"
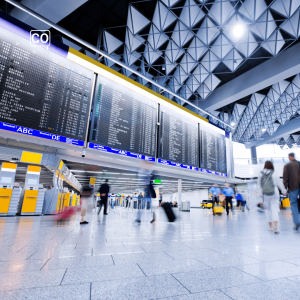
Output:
[[169, 211], [218, 209]]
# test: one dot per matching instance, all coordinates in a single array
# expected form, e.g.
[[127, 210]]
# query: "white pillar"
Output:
[[179, 193]]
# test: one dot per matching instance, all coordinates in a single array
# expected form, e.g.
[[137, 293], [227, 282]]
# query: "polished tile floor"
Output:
[[197, 257]]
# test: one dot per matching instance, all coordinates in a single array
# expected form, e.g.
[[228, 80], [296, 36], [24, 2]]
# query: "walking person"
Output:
[[268, 184], [85, 194], [140, 200], [229, 193], [215, 191], [291, 181], [104, 190]]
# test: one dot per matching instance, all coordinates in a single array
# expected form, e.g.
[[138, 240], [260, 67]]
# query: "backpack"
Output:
[[267, 184]]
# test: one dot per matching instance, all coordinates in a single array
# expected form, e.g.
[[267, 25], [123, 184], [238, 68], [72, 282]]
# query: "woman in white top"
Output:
[[268, 184]]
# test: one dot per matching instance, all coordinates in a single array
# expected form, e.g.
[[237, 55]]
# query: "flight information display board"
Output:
[[213, 150], [178, 138], [42, 90], [123, 119]]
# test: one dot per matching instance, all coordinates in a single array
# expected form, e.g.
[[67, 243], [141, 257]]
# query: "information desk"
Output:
[[42, 90], [123, 119], [178, 138]]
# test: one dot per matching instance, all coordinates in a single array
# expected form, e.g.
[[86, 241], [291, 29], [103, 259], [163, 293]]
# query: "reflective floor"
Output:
[[198, 257]]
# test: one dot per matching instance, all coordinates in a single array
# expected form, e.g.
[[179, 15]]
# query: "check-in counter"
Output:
[[32, 197], [9, 195]]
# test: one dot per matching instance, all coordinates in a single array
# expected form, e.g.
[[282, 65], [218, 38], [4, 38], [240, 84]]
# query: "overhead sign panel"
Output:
[[41, 91], [212, 150], [123, 119], [178, 139]]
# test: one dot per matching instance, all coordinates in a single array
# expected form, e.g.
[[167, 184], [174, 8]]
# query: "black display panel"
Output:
[[42, 90], [213, 150], [178, 139], [123, 118]]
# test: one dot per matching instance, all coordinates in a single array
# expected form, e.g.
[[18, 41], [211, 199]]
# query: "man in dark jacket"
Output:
[[104, 190], [291, 181]]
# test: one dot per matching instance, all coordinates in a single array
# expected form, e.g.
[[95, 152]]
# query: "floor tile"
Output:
[[22, 280], [100, 273], [154, 287], [271, 290], [271, 270], [170, 267], [78, 262], [74, 292], [211, 295], [213, 279], [21, 265], [141, 257], [217, 260]]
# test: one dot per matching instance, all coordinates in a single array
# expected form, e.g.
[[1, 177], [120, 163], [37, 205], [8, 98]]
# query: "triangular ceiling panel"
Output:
[[137, 20], [191, 14], [207, 31], [112, 43]]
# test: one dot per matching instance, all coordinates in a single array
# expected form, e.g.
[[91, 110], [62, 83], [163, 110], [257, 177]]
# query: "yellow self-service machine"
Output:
[[32, 197], [9, 195]]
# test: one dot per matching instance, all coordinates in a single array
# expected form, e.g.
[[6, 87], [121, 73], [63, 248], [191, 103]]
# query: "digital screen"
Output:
[[178, 138], [6, 180], [32, 181], [123, 118], [42, 90], [213, 150]]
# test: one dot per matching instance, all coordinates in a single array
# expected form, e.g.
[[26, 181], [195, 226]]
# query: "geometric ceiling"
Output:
[[190, 47], [266, 113]]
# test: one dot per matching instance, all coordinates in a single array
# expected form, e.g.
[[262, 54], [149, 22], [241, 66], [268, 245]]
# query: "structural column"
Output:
[[179, 193], [253, 156]]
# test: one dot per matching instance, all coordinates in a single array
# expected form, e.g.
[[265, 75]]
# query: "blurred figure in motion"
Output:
[[169, 211], [229, 193], [291, 181], [140, 200], [268, 184], [215, 191], [104, 190], [145, 175], [85, 194]]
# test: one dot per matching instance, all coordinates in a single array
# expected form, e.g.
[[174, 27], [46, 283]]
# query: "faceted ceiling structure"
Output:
[[191, 47]]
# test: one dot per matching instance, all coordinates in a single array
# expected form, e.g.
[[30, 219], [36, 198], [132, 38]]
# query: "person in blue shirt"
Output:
[[215, 191], [229, 193], [239, 199]]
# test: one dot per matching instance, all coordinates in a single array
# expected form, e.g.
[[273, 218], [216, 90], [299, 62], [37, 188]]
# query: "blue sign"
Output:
[[120, 152], [40, 134], [171, 163], [213, 172]]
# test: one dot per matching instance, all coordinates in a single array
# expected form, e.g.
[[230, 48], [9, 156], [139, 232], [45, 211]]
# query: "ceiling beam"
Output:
[[285, 65], [287, 129]]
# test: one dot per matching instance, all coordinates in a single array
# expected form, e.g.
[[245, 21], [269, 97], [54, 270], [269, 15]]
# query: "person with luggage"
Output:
[[268, 184], [215, 191], [229, 194], [291, 181], [104, 190]]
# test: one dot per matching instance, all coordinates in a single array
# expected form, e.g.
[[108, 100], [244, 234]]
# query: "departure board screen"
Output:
[[42, 90], [123, 118], [213, 150], [178, 139]]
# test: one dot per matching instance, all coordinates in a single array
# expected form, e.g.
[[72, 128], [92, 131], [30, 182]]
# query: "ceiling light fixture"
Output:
[[238, 30], [264, 129], [232, 123]]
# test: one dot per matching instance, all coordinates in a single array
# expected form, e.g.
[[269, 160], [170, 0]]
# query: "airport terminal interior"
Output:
[[149, 149]]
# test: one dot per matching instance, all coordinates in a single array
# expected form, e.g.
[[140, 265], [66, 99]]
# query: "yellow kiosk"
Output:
[[9, 195]]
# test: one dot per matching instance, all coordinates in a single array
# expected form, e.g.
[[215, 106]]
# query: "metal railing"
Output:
[[257, 161]]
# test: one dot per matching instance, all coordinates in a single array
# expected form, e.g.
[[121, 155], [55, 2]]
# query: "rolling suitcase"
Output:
[[169, 212], [218, 209]]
